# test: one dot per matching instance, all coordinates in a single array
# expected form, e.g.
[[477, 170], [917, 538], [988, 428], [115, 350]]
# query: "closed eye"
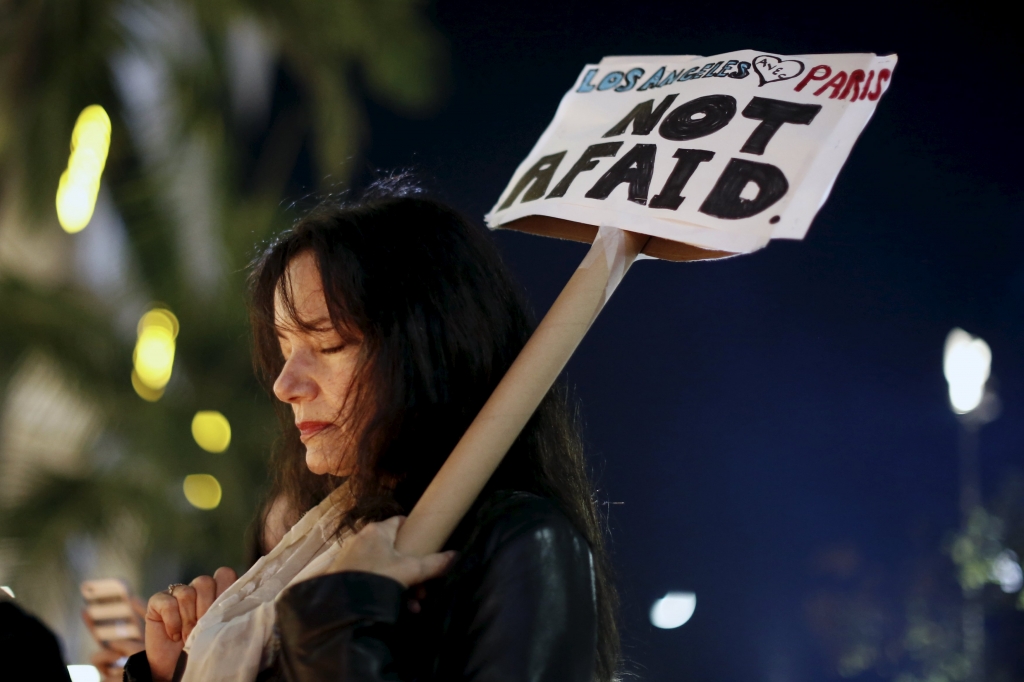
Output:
[[334, 349]]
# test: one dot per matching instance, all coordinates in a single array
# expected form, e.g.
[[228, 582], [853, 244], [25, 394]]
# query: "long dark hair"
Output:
[[441, 321]]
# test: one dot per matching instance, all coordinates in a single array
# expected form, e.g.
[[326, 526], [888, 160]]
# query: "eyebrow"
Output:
[[321, 324]]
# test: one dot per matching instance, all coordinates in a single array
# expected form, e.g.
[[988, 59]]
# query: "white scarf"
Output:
[[235, 639]]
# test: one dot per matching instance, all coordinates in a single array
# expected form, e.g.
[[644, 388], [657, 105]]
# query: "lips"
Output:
[[308, 429]]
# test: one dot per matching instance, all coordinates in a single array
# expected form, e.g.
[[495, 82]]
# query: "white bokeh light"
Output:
[[1007, 572], [967, 363], [83, 673], [673, 610]]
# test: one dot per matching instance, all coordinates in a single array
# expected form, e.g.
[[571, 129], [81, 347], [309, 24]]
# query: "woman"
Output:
[[382, 327]]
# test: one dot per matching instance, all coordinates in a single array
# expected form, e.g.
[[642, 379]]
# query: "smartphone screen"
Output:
[[108, 603]]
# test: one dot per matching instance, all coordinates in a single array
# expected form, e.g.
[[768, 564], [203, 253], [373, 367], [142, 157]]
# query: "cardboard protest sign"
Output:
[[682, 158], [723, 153]]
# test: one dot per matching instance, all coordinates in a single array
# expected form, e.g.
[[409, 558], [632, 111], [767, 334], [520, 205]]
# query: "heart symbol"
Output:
[[770, 69]]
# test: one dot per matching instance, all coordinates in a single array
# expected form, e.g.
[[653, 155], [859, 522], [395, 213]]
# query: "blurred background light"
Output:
[[673, 610], [1007, 572], [202, 491], [153, 358], [144, 391], [7, 590], [159, 317], [211, 430], [83, 673], [967, 363], [80, 182]]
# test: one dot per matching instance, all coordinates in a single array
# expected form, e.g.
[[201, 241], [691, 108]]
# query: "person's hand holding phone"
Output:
[[171, 615]]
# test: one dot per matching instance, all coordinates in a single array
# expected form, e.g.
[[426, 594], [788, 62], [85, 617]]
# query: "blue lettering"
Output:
[[610, 81], [692, 73], [726, 69], [671, 78], [586, 86], [631, 76], [703, 71], [744, 70], [652, 82], [711, 73]]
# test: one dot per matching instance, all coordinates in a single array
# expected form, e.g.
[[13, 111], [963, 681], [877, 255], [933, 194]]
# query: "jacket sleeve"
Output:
[[338, 628], [526, 612], [535, 616], [136, 669]]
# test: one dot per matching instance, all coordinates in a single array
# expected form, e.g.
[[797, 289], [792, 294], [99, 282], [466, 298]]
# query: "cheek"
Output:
[[337, 383], [333, 452]]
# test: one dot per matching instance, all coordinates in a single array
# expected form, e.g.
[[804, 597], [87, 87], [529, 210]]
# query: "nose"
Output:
[[295, 383]]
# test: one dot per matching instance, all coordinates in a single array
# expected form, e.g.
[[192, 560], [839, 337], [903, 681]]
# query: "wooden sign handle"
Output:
[[481, 449]]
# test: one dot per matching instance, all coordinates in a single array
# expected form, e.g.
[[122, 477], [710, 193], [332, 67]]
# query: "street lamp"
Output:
[[967, 364]]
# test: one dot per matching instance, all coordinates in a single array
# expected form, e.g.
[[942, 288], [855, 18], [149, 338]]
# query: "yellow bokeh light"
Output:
[[153, 358], [202, 491], [84, 168], [80, 183], [75, 204], [92, 129], [211, 430], [159, 317], [144, 391]]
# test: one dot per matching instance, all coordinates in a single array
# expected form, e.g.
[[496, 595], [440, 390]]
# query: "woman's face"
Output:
[[319, 366]]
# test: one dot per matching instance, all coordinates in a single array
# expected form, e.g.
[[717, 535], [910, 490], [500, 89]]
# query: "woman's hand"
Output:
[[170, 618], [372, 550]]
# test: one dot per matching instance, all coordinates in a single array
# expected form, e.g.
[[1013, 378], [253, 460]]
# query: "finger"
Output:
[[432, 566], [186, 596], [225, 577], [163, 609], [206, 592]]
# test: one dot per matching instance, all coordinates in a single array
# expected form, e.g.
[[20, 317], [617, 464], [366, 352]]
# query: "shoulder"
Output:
[[520, 602], [522, 523]]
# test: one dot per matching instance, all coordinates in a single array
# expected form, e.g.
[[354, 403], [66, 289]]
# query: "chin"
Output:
[[320, 464], [315, 462]]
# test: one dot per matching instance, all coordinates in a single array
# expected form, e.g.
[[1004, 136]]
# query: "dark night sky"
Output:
[[750, 414]]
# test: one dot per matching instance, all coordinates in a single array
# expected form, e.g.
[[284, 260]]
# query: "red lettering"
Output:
[[856, 77], [867, 84], [818, 73], [837, 82], [883, 75]]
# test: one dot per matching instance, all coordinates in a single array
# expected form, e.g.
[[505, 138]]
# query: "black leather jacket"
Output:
[[518, 605]]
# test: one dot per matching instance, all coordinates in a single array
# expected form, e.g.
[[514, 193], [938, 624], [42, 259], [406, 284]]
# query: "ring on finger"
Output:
[[170, 588]]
